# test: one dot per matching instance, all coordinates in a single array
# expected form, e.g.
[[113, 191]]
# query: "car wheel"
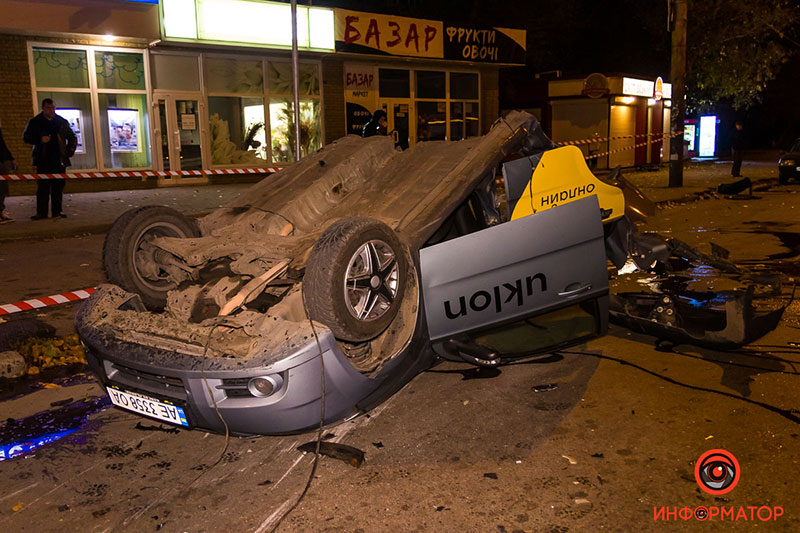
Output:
[[128, 260], [783, 180], [355, 278]]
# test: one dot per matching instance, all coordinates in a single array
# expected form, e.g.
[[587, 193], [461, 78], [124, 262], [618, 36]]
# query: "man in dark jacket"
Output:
[[7, 166], [377, 125], [53, 144]]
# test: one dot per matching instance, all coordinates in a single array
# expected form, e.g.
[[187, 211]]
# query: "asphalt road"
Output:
[[596, 437]]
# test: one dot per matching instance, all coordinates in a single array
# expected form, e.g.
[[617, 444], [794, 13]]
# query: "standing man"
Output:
[[7, 166], [53, 144], [377, 125], [737, 147]]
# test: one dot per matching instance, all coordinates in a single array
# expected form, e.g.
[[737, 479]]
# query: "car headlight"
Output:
[[786, 162]]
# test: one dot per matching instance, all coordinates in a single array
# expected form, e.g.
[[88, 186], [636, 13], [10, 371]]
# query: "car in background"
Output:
[[789, 164]]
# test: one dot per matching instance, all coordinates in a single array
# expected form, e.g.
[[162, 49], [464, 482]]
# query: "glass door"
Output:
[[179, 127], [188, 134], [398, 113]]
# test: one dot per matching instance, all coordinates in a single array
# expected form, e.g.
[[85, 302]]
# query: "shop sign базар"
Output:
[[372, 33]]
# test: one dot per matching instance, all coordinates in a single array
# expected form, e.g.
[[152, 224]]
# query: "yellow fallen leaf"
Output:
[[17, 507], [709, 437], [33, 370], [51, 386]]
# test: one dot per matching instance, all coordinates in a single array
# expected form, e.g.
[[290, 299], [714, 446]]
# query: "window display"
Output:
[[282, 130], [125, 134], [73, 116], [122, 128], [238, 133]]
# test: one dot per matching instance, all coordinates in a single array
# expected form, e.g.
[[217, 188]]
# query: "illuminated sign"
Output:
[[658, 94], [636, 87], [266, 24], [708, 136], [388, 34], [688, 135], [371, 33]]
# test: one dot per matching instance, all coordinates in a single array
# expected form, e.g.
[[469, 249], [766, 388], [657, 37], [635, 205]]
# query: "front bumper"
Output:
[[211, 389], [786, 172]]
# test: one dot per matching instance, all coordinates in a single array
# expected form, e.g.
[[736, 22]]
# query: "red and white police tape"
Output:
[[45, 301], [618, 137], [631, 147], [141, 174]]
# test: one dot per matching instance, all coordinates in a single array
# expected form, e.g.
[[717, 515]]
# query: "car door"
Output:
[[520, 287]]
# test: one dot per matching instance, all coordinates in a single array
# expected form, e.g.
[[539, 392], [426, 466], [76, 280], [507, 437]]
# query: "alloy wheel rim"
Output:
[[372, 280]]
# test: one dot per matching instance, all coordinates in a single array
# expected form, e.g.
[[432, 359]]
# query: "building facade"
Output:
[[630, 117], [182, 85]]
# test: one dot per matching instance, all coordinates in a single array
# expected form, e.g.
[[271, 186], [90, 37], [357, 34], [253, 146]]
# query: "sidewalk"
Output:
[[95, 212]]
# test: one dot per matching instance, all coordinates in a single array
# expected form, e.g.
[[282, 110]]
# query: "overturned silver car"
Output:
[[326, 287]]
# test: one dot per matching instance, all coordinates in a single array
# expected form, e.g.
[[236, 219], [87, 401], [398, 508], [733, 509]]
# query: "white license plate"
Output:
[[147, 406]]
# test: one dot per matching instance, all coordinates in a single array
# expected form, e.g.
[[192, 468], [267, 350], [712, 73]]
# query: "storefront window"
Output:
[[238, 76], [431, 121], [280, 79], [431, 84], [175, 73], [118, 70], [393, 83], [103, 94], [125, 130], [463, 86], [76, 108], [463, 120], [60, 68], [238, 134], [282, 130], [281, 111]]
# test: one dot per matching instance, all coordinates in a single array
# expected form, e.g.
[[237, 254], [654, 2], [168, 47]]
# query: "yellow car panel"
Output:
[[560, 177]]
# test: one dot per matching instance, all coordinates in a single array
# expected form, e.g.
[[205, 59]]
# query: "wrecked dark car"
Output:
[[323, 289]]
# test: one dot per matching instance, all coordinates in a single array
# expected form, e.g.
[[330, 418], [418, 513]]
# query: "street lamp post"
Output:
[[295, 83], [677, 14]]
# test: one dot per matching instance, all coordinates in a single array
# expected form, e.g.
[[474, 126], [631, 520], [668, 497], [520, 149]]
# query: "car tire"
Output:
[[124, 242], [355, 278], [783, 180]]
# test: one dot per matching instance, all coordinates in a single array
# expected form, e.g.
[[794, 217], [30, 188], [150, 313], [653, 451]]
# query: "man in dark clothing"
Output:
[[737, 147], [53, 144], [7, 166], [377, 125]]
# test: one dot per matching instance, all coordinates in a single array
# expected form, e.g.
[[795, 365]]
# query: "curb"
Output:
[[62, 233], [701, 195]]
